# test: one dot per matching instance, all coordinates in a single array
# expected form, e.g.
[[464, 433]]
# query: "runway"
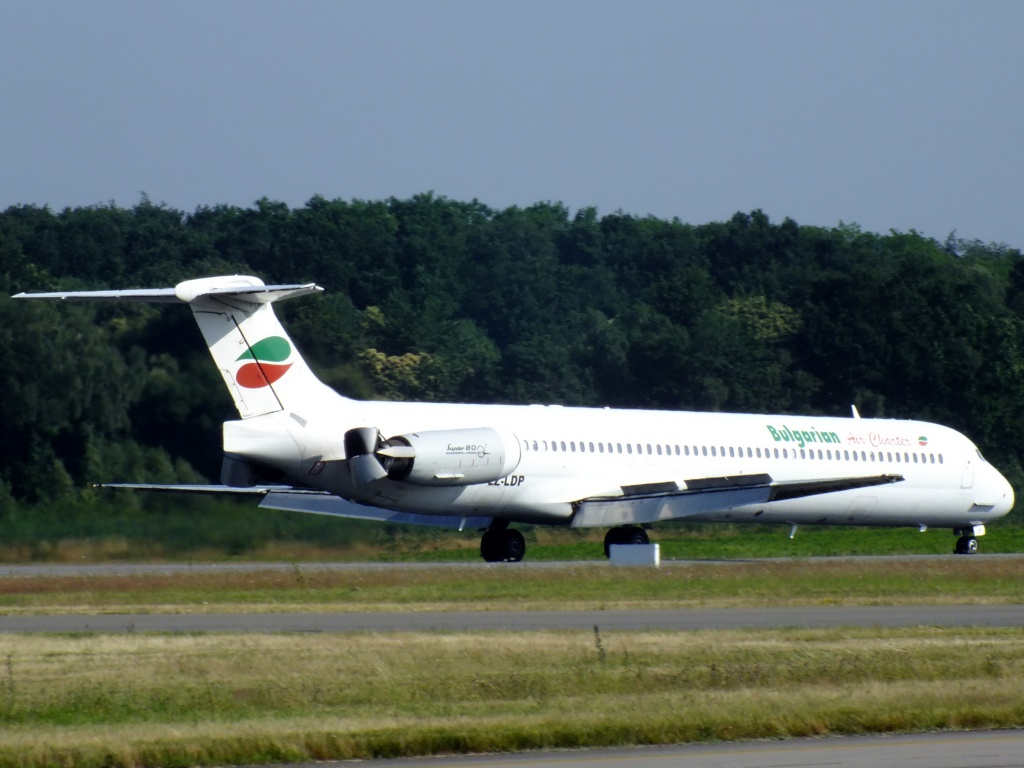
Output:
[[528, 621], [979, 749], [134, 569]]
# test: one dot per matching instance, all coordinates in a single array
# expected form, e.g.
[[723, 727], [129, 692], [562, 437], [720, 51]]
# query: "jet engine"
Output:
[[436, 457]]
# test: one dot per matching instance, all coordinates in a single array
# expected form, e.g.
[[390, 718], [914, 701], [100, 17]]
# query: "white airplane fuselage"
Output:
[[568, 454]]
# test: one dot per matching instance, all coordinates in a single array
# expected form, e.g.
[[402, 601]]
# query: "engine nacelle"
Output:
[[452, 456]]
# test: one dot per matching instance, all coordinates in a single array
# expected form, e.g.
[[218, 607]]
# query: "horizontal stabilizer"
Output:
[[249, 290]]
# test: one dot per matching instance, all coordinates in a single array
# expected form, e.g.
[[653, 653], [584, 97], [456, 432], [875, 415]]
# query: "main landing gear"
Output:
[[627, 534], [499, 545]]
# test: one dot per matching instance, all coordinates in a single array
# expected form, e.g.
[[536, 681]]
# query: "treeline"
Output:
[[435, 299]]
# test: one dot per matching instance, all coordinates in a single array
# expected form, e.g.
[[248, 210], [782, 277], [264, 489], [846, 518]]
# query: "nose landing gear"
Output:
[[966, 545]]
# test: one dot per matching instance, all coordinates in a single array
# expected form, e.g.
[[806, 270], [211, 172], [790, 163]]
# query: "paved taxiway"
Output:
[[460, 621], [978, 749], [134, 569]]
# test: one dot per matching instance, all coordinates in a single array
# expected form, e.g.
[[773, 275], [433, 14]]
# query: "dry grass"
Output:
[[504, 587], [173, 700]]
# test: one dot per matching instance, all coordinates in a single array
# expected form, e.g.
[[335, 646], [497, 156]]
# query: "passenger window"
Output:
[[629, 448], [713, 451], [828, 454], [759, 453], [704, 448], [649, 451], [820, 454], [889, 457], [659, 449], [618, 447], [803, 454], [591, 447], [915, 458], [777, 453], [562, 444], [906, 458], [686, 450], [732, 454], [601, 446], [940, 458], [572, 446]]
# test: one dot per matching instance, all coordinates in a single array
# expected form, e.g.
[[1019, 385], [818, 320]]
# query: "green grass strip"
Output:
[[170, 700]]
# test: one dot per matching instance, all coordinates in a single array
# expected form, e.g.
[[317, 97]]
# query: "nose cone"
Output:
[[1005, 491]]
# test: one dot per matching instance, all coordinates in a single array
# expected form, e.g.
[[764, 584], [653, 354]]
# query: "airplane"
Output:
[[301, 446]]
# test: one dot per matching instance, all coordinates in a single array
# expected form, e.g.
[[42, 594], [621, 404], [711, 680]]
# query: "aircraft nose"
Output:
[[1006, 496]]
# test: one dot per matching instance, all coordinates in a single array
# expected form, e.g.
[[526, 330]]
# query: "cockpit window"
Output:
[[980, 456]]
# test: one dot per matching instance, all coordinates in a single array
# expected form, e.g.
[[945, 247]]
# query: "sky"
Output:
[[897, 115]]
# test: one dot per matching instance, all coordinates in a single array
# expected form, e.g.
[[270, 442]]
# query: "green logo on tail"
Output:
[[268, 366]]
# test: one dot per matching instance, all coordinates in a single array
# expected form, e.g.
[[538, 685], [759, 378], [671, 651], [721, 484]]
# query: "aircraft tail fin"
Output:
[[261, 367]]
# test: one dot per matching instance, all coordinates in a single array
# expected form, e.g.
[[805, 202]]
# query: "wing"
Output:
[[290, 499], [657, 502]]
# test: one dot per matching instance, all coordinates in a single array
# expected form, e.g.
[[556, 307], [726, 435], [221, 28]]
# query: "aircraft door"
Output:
[[968, 477]]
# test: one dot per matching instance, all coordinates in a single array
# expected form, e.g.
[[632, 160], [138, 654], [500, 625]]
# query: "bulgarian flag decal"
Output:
[[268, 364], [922, 441]]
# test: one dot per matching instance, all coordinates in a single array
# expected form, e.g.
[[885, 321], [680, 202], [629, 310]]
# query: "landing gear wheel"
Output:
[[515, 545], [490, 546], [627, 534], [498, 546], [966, 545]]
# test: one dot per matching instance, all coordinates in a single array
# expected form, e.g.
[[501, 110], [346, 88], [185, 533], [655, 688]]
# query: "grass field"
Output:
[[227, 699], [217, 699], [680, 585]]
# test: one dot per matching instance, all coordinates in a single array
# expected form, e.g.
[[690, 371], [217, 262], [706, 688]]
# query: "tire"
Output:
[[491, 546], [514, 545], [635, 535], [629, 534]]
